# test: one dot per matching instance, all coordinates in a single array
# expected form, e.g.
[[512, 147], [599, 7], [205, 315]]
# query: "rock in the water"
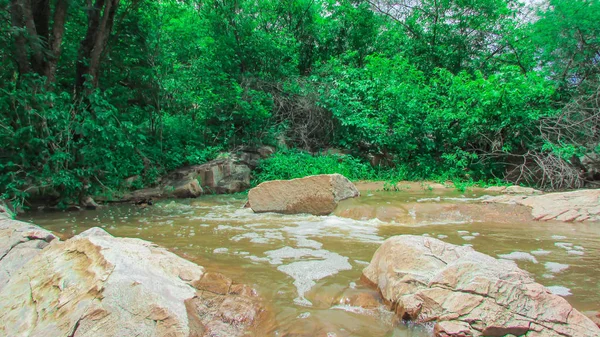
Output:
[[467, 293], [318, 195], [98, 285], [580, 205], [513, 190]]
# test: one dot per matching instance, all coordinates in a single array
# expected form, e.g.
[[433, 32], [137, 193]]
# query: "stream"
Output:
[[305, 266]]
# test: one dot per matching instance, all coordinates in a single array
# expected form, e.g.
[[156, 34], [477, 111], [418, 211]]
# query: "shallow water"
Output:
[[306, 265]]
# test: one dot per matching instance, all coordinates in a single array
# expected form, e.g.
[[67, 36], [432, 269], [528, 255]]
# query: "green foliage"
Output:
[[436, 124], [298, 164], [442, 89]]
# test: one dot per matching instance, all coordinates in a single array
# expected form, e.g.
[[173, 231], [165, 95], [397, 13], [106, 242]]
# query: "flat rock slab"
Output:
[[466, 293], [580, 205], [318, 195]]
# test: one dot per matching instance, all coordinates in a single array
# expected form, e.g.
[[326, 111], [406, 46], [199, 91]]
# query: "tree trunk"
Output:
[[100, 22], [20, 52], [55, 39], [36, 50]]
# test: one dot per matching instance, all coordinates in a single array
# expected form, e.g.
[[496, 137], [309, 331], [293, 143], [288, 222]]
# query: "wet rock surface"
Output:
[[221, 308], [580, 205], [467, 293], [97, 285], [317, 195]]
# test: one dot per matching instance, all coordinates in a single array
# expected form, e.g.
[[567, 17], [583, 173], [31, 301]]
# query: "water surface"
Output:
[[307, 266]]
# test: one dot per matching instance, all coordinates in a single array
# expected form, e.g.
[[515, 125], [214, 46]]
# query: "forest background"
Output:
[[93, 92]]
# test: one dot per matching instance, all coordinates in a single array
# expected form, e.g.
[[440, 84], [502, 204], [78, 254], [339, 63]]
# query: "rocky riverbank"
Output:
[[95, 284]]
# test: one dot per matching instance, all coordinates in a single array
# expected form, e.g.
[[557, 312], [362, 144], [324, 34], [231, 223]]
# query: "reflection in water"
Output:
[[309, 267]]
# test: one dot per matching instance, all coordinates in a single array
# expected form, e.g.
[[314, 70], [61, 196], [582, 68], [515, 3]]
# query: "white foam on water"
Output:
[[302, 241], [220, 250], [564, 245], [519, 256], [462, 232], [321, 264], [442, 236], [361, 262], [555, 267], [436, 199], [252, 236], [224, 227], [464, 199], [256, 258], [558, 237], [303, 315], [468, 237], [559, 290], [334, 226], [575, 252], [353, 309], [540, 252], [413, 213]]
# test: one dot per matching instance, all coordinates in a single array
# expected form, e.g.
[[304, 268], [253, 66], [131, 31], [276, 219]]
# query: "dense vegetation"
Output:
[[92, 92]]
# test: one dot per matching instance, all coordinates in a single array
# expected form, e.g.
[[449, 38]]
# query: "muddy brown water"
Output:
[[305, 265]]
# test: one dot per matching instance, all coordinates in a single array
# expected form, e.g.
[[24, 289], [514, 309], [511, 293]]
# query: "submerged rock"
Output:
[[467, 293], [580, 205], [318, 195], [97, 285]]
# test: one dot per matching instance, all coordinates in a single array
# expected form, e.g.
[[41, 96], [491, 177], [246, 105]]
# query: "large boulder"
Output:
[[224, 176], [466, 293], [98, 285], [318, 195], [580, 205]]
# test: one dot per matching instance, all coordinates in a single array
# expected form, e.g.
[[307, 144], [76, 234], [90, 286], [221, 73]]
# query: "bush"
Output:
[[297, 164]]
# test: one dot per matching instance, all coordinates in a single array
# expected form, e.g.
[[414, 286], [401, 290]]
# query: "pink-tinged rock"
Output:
[[318, 195], [467, 293], [97, 285], [580, 205]]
